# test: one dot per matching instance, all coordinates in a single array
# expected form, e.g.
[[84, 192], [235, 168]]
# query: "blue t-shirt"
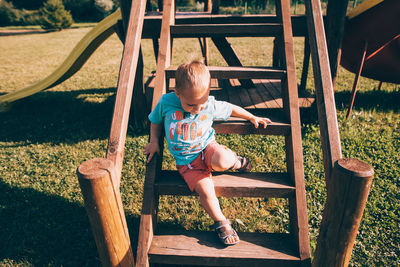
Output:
[[187, 135]]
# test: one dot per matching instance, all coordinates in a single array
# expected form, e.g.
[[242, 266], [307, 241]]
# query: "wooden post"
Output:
[[349, 188], [306, 64], [104, 209]]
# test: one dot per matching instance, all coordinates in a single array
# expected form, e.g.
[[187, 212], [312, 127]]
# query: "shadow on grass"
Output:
[[47, 230], [56, 117], [370, 100]]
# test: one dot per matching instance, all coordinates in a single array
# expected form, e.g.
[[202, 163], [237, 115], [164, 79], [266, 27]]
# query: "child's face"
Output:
[[193, 101]]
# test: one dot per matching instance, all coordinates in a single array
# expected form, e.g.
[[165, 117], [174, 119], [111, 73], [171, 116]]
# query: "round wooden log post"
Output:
[[104, 209], [349, 188]]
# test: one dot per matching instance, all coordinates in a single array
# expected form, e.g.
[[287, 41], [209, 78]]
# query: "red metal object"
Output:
[[379, 26]]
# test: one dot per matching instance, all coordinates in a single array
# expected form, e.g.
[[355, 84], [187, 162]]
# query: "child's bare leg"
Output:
[[224, 159], [209, 201]]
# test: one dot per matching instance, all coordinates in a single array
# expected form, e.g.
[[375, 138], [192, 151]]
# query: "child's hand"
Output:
[[258, 120], [150, 149]]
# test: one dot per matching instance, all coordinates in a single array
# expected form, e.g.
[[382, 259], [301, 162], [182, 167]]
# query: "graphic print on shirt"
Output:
[[185, 132], [172, 130]]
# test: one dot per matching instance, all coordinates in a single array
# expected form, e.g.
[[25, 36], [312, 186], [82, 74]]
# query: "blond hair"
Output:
[[193, 75]]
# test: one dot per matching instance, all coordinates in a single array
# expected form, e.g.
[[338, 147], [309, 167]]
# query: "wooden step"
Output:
[[226, 30], [240, 126], [203, 248], [230, 184], [237, 72]]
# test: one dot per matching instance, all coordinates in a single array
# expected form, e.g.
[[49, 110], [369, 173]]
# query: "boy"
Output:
[[187, 115]]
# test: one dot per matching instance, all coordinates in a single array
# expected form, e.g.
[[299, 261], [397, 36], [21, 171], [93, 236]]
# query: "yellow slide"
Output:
[[75, 60]]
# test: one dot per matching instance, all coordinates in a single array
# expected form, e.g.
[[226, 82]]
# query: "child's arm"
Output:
[[153, 146], [244, 114]]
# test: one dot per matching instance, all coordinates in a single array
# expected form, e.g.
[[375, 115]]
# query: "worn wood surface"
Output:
[[164, 51], [265, 94], [104, 209], [231, 184], [294, 151], [226, 30], [254, 249], [116, 143], [230, 56], [325, 98], [239, 126], [148, 217], [152, 24], [350, 185], [227, 72]]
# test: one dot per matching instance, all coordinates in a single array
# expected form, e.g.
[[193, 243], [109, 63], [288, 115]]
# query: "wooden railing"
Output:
[[100, 178], [347, 180], [325, 98]]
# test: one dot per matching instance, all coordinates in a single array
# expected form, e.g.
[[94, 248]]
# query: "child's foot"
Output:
[[242, 164], [225, 233]]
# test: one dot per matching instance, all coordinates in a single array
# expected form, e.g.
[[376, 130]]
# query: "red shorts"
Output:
[[200, 167]]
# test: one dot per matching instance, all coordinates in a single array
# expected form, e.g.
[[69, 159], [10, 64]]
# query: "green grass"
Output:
[[45, 137]]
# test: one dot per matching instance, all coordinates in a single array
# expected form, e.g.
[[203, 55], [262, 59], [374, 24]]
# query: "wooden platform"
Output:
[[203, 248], [266, 94]]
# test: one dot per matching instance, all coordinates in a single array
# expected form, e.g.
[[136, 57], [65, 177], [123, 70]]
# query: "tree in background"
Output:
[[54, 16]]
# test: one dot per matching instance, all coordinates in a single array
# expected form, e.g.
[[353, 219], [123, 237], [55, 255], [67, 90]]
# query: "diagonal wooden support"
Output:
[[119, 125], [227, 52]]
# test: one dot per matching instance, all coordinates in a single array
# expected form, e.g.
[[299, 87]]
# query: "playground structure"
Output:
[[371, 43], [348, 178]]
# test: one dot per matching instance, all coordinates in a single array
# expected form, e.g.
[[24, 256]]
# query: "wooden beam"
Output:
[[325, 98], [127, 74], [152, 24], [164, 51], [306, 65], [294, 151]]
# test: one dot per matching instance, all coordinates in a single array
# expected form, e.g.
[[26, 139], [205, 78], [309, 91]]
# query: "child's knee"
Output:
[[222, 159], [205, 188]]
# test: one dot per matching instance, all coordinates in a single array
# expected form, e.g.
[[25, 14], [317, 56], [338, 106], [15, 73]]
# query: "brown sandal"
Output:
[[245, 165], [224, 234]]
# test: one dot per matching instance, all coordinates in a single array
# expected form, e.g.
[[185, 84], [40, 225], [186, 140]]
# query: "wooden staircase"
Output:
[[255, 249]]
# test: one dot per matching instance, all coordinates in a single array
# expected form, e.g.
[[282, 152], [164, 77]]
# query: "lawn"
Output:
[[45, 137]]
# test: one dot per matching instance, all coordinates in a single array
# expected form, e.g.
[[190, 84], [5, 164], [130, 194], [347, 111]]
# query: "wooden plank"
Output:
[[243, 94], [294, 152], [324, 93], [222, 93], [152, 24], [231, 184], [164, 51], [228, 72], [254, 249], [262, 89], [149, 207], [230, 56], [274, 89], [119, 125], [256, 98], [226, 30], [237, 126], [233, 96]]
